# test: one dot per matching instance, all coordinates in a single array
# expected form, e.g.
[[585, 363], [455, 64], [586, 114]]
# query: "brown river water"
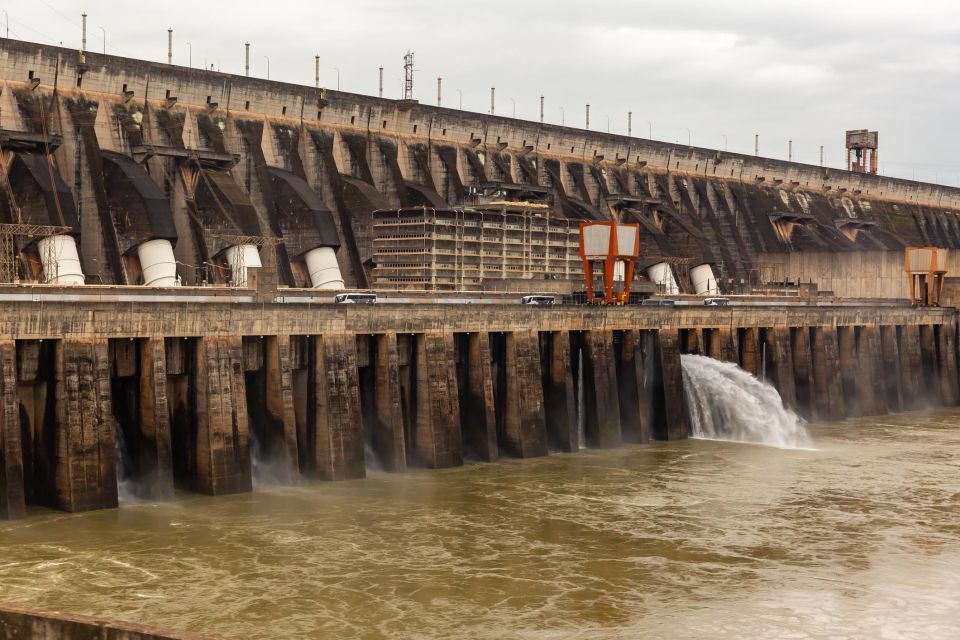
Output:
[[859, 538]]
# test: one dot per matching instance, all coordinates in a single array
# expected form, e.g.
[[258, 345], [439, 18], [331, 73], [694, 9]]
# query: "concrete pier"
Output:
[[190, 392]]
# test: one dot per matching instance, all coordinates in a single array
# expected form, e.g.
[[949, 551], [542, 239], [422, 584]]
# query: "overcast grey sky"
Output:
[[724, 70]]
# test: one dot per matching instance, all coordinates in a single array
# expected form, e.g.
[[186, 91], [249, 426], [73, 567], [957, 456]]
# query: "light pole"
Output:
[[267, 58], [608, 124], [514, 107], [563, 117], [461, 99], [689, 136], [104, 32], [7, 17], [649, 130], [338, 78], [190, 55], [724, 141]]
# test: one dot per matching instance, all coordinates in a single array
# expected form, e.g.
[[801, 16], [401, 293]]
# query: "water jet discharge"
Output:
[[615, 247]]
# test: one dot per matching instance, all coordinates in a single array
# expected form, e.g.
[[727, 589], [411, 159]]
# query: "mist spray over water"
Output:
[[727, 403]]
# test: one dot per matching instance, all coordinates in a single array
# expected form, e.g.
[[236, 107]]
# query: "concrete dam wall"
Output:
[[196, 390], [145, 151]]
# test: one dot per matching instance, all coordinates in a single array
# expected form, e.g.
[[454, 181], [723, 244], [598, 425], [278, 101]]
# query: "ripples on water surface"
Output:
[[860, 538]]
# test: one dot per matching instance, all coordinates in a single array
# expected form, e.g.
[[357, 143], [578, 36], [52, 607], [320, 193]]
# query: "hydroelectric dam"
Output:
[[172, 241]]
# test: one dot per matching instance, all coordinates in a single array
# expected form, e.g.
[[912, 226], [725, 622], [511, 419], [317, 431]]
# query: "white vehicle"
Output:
[[716, 302], [538, 300], [355, 298]]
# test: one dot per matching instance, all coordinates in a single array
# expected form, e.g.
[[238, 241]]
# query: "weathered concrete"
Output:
[[671, 416], [602, 403], [827, 379], [891, 367], [437, 438], [477, 410], [336, 441], [12, 498], [780, 364], [524, 430], [389, 439], [85, 463], [24, 623], [870, 379], [559, 393]]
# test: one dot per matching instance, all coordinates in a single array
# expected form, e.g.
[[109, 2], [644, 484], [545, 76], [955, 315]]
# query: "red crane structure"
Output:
[[615, 246]]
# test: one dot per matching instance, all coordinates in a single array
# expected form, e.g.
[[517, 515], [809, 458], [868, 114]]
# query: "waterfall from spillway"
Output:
[[727, 403]]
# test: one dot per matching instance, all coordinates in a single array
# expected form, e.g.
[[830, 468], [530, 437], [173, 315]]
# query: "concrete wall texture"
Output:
[[241, 156]]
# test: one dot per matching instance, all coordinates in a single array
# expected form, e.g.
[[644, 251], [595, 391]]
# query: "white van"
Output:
[[538, 300], [355, 298]]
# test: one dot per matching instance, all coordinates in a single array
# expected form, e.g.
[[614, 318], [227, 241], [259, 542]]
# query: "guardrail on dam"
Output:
[[190, 387]]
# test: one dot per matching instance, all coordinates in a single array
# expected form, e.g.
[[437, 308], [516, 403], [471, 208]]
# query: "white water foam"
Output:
[[725, 402]]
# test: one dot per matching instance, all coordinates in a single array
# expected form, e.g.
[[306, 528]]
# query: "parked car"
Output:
[[716, 302], [538, 300], [355, 298]]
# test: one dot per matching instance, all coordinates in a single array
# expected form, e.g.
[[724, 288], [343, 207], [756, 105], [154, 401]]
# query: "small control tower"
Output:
[[862, 151]]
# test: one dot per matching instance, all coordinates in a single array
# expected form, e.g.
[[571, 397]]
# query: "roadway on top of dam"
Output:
[[237, 312]]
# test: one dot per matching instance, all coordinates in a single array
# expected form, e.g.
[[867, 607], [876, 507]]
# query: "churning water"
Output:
[[727, 403]]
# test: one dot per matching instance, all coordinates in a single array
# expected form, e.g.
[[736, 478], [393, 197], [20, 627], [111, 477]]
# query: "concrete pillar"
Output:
[[155, 468], [946, 335], [870, 378], [928, 358], [85, 475], [602, 410], [524, 417], [672, 418], [827, 382], [750, 351], [279, 379], [388, 433], [558, 392], [12, 499], [803, 371], [726, 338], [478, 413], [911, 367], [222, 463], [847, 349], [437, 426], [337, 433], [891, 367], [781, 367], [629, 361]]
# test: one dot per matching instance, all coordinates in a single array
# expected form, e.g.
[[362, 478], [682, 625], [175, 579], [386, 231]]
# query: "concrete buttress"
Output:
[[437, 438], [524, 418], [558, 393], [672, 421], [946, 335], [602, 424], [478, 413], [223, 436], [85, 474], [891, 367], [389, 437], [337, 446], [12, 499]]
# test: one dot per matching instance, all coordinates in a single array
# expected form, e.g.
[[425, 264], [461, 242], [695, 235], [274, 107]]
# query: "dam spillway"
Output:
[[428, 385], [266, 193]]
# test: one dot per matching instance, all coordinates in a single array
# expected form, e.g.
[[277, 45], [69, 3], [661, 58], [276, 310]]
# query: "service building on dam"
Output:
[[172, 241]]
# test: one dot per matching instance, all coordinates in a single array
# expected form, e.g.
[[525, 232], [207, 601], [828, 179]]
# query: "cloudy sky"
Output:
[[714, 72]]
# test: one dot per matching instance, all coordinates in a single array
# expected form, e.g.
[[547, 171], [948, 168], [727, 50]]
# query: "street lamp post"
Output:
[[649, 130], [461, 99], [267, 58], [563, 117], [689, 136], [724, 141], [104, 32], [190, 54], [338, 78], [514, 107]]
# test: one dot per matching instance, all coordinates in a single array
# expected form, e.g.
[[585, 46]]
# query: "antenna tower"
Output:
[[408, 76]]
